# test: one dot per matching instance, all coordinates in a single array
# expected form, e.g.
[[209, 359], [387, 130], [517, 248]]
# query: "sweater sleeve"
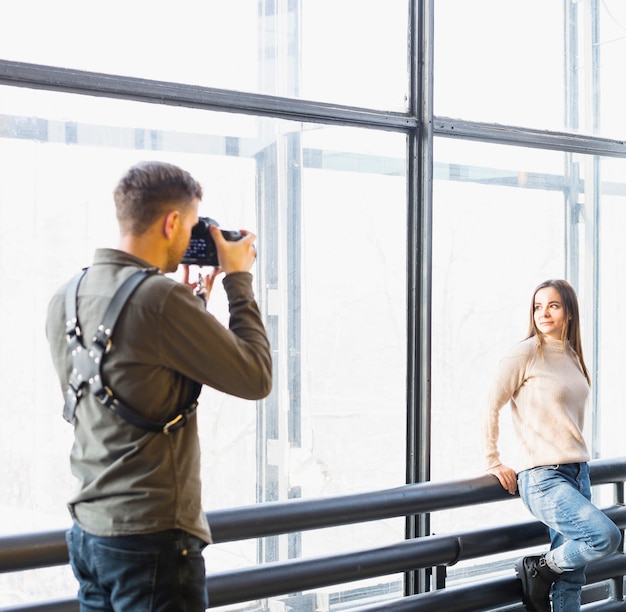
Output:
[[509, 377]]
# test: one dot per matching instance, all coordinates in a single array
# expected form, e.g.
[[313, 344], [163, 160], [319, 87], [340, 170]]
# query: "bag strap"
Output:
[[87, 361]]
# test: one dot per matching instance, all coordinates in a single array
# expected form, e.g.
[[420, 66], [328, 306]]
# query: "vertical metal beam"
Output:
[[419, 268], [267, 421], [294, 259], [571, 112], [617, 584], [280, 193], [294, 235], [582, 199], [268, 160], [294, 318], [570, 58], [593, 198]]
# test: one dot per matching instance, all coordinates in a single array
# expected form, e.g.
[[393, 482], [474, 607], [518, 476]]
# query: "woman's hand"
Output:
[[506, 476], [202, 287]]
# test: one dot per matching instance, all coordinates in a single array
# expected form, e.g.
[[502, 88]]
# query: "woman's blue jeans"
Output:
[[159, 572], [560, 497]]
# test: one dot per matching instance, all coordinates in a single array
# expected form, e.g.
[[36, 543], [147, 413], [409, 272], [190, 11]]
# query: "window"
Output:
[[296, 118], [328, 206]]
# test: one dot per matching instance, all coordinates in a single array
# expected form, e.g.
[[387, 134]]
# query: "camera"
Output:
[[201, 250]]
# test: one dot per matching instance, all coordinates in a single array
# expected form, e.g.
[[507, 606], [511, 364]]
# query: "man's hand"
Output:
[[234, 256], [506, 476]]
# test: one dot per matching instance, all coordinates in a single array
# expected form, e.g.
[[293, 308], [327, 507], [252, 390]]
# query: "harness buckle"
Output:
[[105, 396], [180, 420]]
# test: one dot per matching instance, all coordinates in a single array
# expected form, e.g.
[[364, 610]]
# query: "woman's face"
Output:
[[549, 312]]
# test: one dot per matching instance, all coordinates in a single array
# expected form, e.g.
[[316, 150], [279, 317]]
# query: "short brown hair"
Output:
[[147, 190]]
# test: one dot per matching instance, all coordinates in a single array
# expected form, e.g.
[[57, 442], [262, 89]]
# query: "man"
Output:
[[139, 525]]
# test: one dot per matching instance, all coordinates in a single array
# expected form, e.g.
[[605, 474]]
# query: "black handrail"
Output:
[[504, 590], [300, 574], [46, 549]]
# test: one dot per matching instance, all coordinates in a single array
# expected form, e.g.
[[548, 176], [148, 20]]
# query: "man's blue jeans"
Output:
[[160, 572], [559, 496]]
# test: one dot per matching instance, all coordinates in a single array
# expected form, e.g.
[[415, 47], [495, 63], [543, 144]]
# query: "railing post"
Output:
[[441, 573], [617, 584]]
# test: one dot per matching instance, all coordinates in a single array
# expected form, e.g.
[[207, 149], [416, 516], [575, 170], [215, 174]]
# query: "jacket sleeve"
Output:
[[236, 360]]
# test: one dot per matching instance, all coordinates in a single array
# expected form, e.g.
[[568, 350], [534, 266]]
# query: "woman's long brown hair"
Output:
[[571, 327]]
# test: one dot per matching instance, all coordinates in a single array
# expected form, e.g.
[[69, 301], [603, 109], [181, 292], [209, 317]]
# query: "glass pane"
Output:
[[499, 219], [314, 49], [612, 310], [611, 49], [500, 62], [328, 206], [498, 231], [355, 52], [533, 64], [204, 43]]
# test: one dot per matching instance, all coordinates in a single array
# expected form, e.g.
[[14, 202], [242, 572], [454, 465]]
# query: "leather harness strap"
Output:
[[86, 372]]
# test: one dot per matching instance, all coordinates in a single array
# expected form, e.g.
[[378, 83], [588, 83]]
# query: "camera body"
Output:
[[201, 250]]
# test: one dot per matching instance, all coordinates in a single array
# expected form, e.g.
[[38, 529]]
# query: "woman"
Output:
[[545, 380]]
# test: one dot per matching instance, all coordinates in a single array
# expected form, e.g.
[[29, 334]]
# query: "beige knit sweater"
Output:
[[547, 392]]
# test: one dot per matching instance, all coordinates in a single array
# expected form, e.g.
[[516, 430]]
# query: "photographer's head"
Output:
[[157, 205], [148, 190]]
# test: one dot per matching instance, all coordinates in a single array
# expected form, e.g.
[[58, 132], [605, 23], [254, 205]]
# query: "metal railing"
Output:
[[37, 550]]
